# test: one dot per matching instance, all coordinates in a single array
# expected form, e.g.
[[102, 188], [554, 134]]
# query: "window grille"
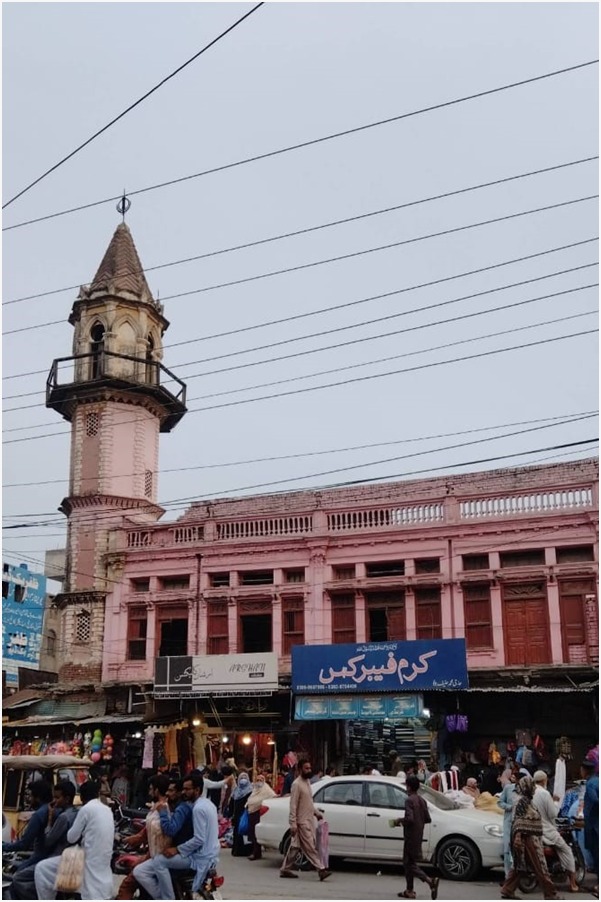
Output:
[[83, 626], [92, 423]]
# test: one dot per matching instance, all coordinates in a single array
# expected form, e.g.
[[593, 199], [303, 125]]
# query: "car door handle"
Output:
[[372, 814]]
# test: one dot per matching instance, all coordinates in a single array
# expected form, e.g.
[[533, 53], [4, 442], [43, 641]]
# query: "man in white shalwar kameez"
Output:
[[95, 827]]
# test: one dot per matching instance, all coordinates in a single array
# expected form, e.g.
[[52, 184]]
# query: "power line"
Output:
[[183, 503], [354, 379], [415, 287], [51, 519], [313, 142], [339, 258], [298, 455], [309, 351], [131, 107], [353, 366], [309, 229]]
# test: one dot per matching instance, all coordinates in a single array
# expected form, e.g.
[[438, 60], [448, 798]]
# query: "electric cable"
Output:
[[313, 142], [131, 106], [308, 229], [416, 287], [337, 259]]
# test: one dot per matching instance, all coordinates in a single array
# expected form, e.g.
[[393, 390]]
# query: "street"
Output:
[[350, 880]]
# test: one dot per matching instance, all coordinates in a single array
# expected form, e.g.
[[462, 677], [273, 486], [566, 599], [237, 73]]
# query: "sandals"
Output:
[[406, 894]]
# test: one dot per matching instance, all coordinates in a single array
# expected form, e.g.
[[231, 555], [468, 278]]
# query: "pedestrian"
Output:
[[507, 802], [32, 839], [289, 779], [396, 764], [120, 786], [95, 827], [61, 815], [302, 828], [239, 799], [591, 815], [201, 851], [548, 810], [527, 844], [261, 791], [413, 823]]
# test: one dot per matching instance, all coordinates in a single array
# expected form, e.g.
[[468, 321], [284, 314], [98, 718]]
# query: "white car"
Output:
[[459, 841]]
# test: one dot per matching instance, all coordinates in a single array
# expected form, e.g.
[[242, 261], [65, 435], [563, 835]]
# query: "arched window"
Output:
[[151, 367], [96, 347], [82, 626]]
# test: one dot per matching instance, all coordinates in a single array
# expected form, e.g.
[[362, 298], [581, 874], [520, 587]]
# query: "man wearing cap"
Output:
[[547, 809]]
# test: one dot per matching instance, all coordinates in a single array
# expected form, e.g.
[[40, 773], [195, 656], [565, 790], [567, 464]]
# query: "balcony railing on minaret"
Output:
[[82, 375]]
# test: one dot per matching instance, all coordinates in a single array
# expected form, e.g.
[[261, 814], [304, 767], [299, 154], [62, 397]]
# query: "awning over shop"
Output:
[[58, 722]]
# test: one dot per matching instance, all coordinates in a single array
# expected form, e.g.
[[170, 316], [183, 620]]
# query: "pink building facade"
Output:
[[505, 559]]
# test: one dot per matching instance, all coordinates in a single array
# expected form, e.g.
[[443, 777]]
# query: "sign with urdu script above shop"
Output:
[[380, 667], [197, 676]]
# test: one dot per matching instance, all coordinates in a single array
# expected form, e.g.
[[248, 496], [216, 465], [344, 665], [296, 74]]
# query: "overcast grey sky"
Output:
[[293, 72]]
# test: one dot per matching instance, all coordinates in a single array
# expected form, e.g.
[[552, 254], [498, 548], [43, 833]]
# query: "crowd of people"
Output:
[[188, 821]]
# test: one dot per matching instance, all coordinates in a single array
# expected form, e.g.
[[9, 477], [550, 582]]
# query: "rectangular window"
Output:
[[343, 619], [219, 580], [475, 562], [427, 612], [575, 554], [344, 571], [4, 589], [140, 585], [172, 631], [148, 483], [385, 616], [427, 565], [173, 583], [217, 628], [478, 619], [293, 623], [256, 578], [19, 592], [294, 576], [137, 625], [531, 558], [385, 568]]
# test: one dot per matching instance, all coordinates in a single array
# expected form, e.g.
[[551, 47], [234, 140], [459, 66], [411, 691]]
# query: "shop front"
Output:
[[367, 700]]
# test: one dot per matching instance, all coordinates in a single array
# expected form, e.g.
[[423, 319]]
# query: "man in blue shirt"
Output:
[[33, 835], [61, 815], [200, 851], [176, 822]]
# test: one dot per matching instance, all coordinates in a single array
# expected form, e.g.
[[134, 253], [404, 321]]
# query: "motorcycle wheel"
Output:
[[528, 883]]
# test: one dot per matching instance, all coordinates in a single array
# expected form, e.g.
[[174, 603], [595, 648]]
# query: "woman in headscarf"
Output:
[[527, 845], [261, 791], [238, 803]]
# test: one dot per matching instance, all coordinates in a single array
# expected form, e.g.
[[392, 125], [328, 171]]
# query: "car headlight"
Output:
[[494, 830]]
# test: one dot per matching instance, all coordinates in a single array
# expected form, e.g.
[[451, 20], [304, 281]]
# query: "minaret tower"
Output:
[[118, 397]]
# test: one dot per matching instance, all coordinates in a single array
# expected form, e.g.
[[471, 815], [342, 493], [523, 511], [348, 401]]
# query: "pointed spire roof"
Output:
[[120, 271]]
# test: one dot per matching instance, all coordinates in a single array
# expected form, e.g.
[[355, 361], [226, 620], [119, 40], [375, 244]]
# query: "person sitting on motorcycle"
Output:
[[33, 836], [150, 835], [61, 815], [547, 809], [199, 852]]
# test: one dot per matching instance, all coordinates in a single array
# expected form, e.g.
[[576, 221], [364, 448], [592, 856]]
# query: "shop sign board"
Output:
[[358, 707], [196, 676], [23, 599], [411, 666]]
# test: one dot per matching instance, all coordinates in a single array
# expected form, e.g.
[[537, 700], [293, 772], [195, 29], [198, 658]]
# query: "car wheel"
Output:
[[457, 859], [299, 862]]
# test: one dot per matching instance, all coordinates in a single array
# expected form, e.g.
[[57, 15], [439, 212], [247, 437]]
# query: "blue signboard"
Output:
[[379, 667], [23, 598], [358, 707]]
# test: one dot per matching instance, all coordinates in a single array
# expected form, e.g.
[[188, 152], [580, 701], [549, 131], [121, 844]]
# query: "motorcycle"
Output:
[[10, 860], [528, 882], [124, 861]]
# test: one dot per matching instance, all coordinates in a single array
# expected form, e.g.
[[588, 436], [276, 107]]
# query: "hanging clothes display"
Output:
[[147, 755]]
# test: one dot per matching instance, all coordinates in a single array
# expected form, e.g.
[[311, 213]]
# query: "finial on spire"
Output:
[[123, 205]]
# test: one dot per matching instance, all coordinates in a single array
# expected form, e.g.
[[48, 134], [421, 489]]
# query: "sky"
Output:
[[291, 73]]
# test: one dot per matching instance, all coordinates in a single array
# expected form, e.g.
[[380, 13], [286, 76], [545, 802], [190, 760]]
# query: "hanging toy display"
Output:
[[87, 744], [107, 747]]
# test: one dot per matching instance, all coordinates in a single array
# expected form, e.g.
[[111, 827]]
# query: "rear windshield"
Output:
[[438, 799]]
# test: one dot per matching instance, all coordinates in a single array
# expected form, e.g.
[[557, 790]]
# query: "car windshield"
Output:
[[438, 799]]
